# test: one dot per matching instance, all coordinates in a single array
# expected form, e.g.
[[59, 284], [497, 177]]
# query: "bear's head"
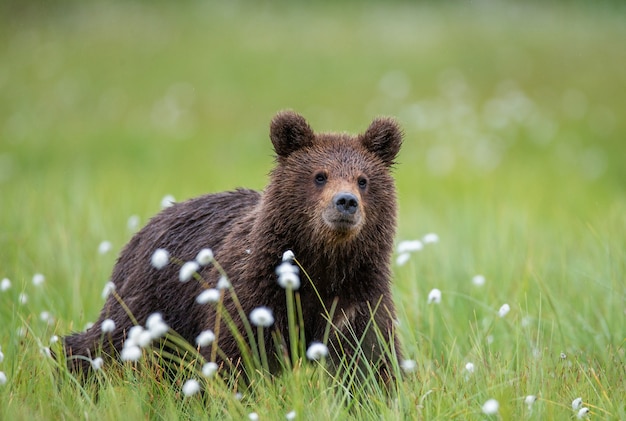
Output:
[[334, 187]]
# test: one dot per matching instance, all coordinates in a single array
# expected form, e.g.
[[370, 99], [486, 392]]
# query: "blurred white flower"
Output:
[[3, 378], [262, 316], [38, 279], [206, 337], [45, 351], [167, 201], [288, 256], [5, 284], [253, 416], [402, 259], [54, 339], [204, 257], [316, 351], [1, 355], [409, 246], [209, 369], [430, 238], [223, 283], [478, 280], [563, 355], [104, 247], [490, 407], [290, 415], [160, 258], [469, 367], [408, 365], [582, 413], [288, 276], [504, 310], [577, 403], [109, 287], [191, 387], [22, 298], [156, 326], [107, 326], [130, 353], [187, 270], [530, 400], [96, 363], [434, 296], [45, 316], [210, 295], [133, 223]]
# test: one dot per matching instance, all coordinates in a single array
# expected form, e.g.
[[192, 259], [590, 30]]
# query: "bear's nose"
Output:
[[346, 203]]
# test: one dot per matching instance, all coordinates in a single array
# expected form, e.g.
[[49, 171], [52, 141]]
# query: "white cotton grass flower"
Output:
[[469, 367], [409, 246], [104, 247], [46, 317], [223, 283], [1, 355], [187, 270], [22, 298], [210, 295], [107, 326], [434, 296], [191, 387], [288, 275], [156, 326], [430, 238], [133, 223], [109, 287], [563, 356], [160, 258], [490, 407], [96, 363], [38, 279], [253, 416], [130, 353], [582, 413], [204, 256], [504, 310], [402, 259], [408, 366], [316, 351], [167, 201], [45, 351], [206, 337], [291, 415], [288, 256], [3, 378], [54, 339], [577, 404], [209, 369], [5, 284], [139, 336], [530, 400], [478, 280], [262, 316]]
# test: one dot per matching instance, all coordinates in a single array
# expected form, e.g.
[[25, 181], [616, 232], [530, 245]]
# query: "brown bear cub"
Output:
[[331, 200]]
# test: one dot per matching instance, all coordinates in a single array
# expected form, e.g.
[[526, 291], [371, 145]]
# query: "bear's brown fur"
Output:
[[330, 199]]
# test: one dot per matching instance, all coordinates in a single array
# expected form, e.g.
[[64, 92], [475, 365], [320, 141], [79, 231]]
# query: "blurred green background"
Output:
[[513, 114]]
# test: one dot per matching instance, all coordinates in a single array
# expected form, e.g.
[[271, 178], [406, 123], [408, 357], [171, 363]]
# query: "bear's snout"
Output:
[[346, 203]]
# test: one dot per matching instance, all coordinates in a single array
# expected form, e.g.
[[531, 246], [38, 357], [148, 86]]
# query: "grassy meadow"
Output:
[[514, 156]]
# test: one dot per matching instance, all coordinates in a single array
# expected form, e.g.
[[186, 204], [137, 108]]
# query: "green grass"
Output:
[[514, 155]]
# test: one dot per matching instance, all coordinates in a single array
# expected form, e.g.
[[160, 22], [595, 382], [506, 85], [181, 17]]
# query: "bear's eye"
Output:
[[320, 178], [362, 182]]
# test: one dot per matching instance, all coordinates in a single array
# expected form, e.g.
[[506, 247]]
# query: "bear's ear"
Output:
[[383, 137], [289, 132]]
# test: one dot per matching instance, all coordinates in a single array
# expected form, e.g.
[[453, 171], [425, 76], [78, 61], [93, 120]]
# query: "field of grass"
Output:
[[514, 156]]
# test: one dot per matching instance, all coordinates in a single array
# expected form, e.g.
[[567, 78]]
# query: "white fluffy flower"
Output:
[[291, 415], [187, 270], [504, 310], [490, 407], [478, 280], [96, 363], [38, 279], [109, 287], [204, 257], [191, 387], [288, 276], [402, 259], [5, 284], [210, 295], [577, 403], [223, 283], [133, 223], [529, 400], [408, 365], [3, 378], [316, 351], [156, 326], [434, 296], [160, 258], [253, 416], [409, 246], [469, 367], [22, 298], [430, 238], [1, 356], [206, 337], [209, 369], [582, 413], [262, 316], [107, 326], [104, 247], [130, 353], [167, 201], [288, 256]]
